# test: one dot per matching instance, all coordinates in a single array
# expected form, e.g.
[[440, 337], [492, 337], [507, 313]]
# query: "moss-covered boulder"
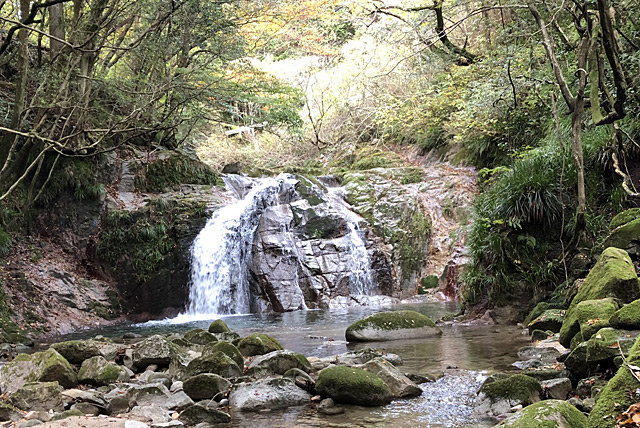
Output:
[[624, 217], [219, 326], [226, 348], [46, 366], [277, 363], [198, 413], [98, 371], [154, 350], [350, 385], [217, 363], [594, 314], [200, 337], [205, 386], [258, 344], [627, 316], [76, 351], [617, 395], [43, 396], [549, 320], [499, 396], [626, 237], [391, 326], [612, 276], [547, 414]]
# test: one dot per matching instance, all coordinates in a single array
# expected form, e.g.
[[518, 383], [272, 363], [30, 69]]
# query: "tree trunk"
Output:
[[56, 28]]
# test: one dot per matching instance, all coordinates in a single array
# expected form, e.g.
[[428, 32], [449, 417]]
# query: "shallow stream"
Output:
[[465, 353]]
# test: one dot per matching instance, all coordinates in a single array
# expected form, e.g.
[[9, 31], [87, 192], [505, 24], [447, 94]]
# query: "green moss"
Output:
[[547, 414], [594, 315], [172, 169], [624, 236], [409, 243], [539, 309], [550, 319], [81, 177], [76, 351], [309, 189], [394, 320], [67, 414], [353, 386], [217, 363], [430, 281], [226, 348], [518, 387], [627, 317], [624, 217], [369, 158], [219, 326], [258, 344], [200, 337]]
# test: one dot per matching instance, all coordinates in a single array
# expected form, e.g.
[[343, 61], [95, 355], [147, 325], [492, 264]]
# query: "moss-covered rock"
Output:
[[219, 326], [547, 414], [172, 168], [46, 366], [617, 395], [198, 413], [612, 276], [594, 314], [401, 386], [217, 363], [627, 317], [9, 413], [625, 237], [154, 350], [624, 217], [200, 337], [258, 344], [513, 390], [205, 386], [350, 385], [551, 319], [76, 351], [277, 362], [607, 344], [38, 396], [226, 348], [539, 309], [392, 325], [98, 371], [67, 414]]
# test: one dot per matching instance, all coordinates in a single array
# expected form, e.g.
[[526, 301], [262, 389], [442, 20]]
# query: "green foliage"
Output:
[[5, 242], [82, 178], [171, 171]]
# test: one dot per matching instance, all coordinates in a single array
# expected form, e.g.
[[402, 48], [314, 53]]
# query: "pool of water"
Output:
[[464, 353]]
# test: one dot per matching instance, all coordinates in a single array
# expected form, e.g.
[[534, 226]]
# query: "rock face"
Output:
[[267, 394], [549, 413], [351, 385], [391, 326]]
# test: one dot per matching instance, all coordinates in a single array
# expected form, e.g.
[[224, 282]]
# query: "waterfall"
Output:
[[360, 281], [221, 253]]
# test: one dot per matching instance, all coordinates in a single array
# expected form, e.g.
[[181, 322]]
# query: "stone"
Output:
[[258, 344], [200, 337], [86, 409], [272, 394], [299, 376], [153, 350], [97, 371], [546, 355], [197, 413], [612, 276], [9, 412], [328, 407], [30, 423], [38, 396], [152, 414], [400, 385], [499, 396], [625, 236], [78, 396], [135, 424], [391, 326], [557, 389], [217, 363], [76, 351], [548, 414], [361, 356], [593, 315], [624, 217], [277, 363], [219, 326], [551, 319], [205, 386], [627, 317], [170, 424], [538, 335], [351, 385], [226, 348], [67, 414], [46, 366]]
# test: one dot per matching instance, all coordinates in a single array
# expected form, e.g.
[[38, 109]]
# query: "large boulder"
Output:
[[98, 371], [599, 350], [361, 356], [612, 276], [551, 319], [277, 363], [624, 217], [218, 363], [205, 386], [547, 414], [226, 348], [46, 366], [627, 317], [499, 396], [200, 337], [594, 314], [267, 394], [38, 396], [198, 413], [401, 386], [351, 385], [76, 351], [258, 344], [219, 326], [626, 237], [153, 350], [392, 325]]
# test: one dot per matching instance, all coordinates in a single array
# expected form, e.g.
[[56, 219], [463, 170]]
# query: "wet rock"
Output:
[[66, 414], [76, 351], [328, 407], [198, 413], [153, 350], [351, 385], [267, 394], [277, 363], [226, 348], [551, 413], [219, 326], [98, 371], [217, 363], [258, 344], [612, 276], [498, 397], [550, 319], [300, 377], [205, 386], [361, 356], [391, 326], [46, 366], [557, 389], [38, 396], [200, 337], [627, 317], [400, 385]]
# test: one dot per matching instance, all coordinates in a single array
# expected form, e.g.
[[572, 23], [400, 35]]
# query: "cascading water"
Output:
[[221, 253], [360, 281]]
